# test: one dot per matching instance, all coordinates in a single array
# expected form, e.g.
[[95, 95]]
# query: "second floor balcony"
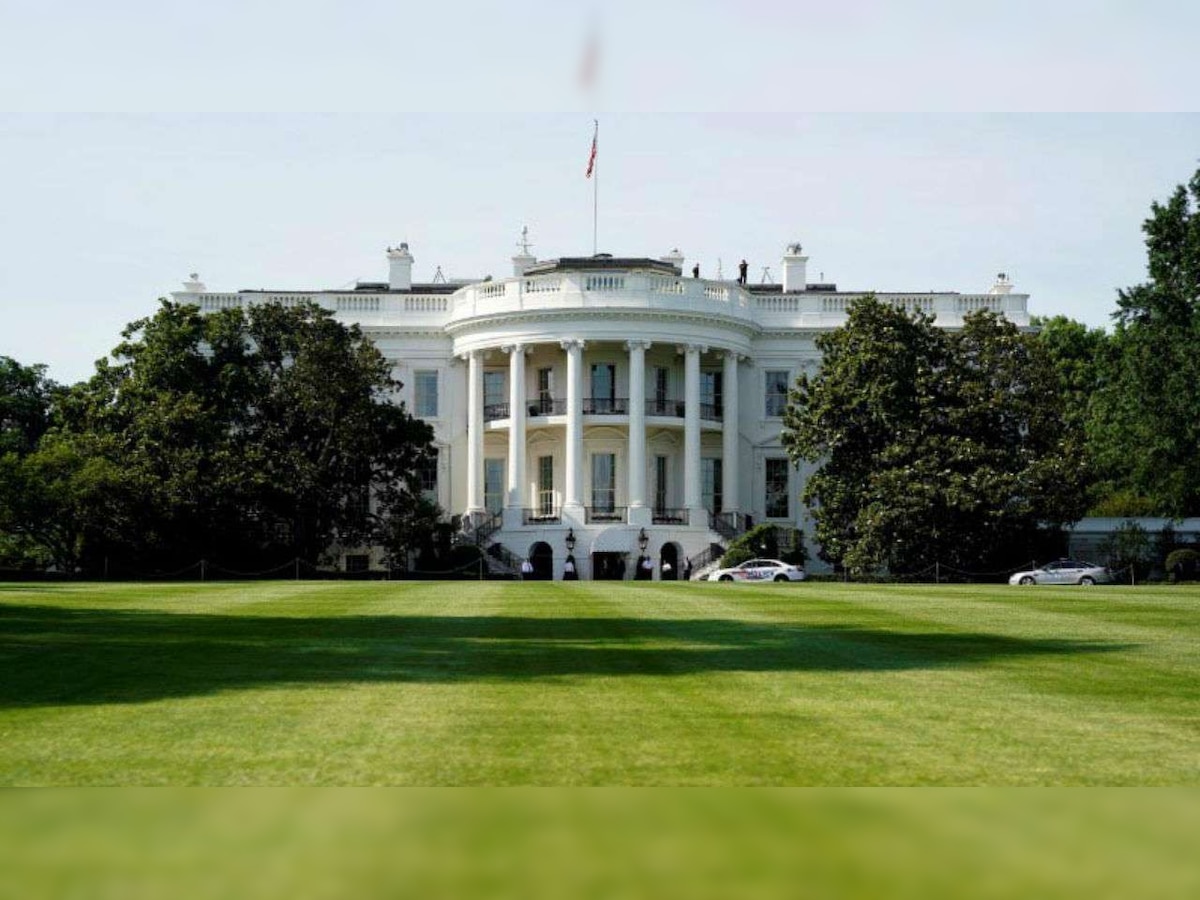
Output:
[[604, 406]]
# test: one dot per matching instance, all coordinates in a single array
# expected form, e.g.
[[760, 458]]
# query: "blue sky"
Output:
[[108, 206]]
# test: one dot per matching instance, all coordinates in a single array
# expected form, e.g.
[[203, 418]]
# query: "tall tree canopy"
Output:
[[25, 399], [1144, 426], [932, 446], [245, 436]]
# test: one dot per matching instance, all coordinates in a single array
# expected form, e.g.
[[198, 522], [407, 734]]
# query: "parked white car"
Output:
[[759, 570], [1064, 571]]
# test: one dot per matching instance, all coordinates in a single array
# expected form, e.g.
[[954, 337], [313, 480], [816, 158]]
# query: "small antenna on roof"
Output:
[[766, 275], [439, 277]]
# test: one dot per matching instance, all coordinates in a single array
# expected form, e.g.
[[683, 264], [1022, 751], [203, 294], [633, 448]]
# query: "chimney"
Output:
[[795, 266], [194, 285], [1003, 284], [675, 258], [400, 268]]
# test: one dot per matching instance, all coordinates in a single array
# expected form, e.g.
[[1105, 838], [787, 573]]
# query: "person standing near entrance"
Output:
[[569, 573], [526, 570]]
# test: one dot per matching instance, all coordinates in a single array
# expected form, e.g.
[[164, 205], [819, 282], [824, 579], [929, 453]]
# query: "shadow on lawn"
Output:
[[52, 656]]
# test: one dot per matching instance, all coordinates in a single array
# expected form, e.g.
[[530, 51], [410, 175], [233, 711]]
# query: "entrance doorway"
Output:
[[668, 563], [541, 557], [608, 566]]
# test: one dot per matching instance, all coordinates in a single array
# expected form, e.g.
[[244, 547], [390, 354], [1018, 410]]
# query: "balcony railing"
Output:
[[542, 515], [548, 407], [672, 408], [729, 524], [494, 411], [606, 406], [600, 514], [666, 516], [711, 411]]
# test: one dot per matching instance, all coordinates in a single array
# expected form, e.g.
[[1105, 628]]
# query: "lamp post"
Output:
[[570, 540], [643, 539]]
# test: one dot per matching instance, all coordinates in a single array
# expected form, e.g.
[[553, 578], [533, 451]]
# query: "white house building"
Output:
[[605, 407]]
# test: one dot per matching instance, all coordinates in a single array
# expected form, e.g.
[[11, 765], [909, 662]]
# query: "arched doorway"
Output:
[[668, 562], [541, 557]]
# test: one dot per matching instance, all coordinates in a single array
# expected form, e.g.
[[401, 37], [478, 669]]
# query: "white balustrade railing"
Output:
[[627, 290], [426, 303], [215, 302], [604, 282]]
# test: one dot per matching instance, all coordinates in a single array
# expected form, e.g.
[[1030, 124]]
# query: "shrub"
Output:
[[1182, 565], [769, 541]]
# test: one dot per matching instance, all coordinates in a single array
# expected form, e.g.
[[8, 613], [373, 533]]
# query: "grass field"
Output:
[[598, 684]]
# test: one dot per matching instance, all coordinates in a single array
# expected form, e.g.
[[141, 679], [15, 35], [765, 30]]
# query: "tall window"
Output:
[[493, 389], [660, 483], [776, 506], [662, 391], [604, 482], [776, 392], [427, 476], [493, 485], [545, 386], [604, 381], [545, 485], [662, 384], [711, 487], [425, 393], [710, 394]]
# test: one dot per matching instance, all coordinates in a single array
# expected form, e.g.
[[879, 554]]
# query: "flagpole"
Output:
[[595, 186]]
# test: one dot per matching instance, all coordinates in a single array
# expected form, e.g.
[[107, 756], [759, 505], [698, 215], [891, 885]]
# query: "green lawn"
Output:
[[598, 684]]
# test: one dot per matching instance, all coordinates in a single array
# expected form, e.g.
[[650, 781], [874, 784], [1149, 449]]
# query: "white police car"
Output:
[[759, 570]]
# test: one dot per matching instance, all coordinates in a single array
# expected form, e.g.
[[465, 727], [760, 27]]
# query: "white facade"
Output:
[[608, 398]]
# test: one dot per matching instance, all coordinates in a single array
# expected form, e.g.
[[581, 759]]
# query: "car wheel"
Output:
[[1028, 579], [725, 578], [1087, 580], [781, 578]]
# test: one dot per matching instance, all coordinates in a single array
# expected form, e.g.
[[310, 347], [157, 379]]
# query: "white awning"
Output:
[[616, 539]]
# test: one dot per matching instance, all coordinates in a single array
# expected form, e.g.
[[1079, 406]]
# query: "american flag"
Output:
[[592, 155]]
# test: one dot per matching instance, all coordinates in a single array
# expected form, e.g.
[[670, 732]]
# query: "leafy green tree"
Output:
[[25, 401], [245, 436], [877, 380], [1144, 426], [932, 446]]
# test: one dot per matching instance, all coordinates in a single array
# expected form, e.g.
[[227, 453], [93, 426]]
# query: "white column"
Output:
[[730, 472], [574, 486], [692, 498], [474, 432], [638, 513], [516, 426]]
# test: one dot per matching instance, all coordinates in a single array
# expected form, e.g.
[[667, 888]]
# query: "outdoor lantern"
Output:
[[643, 539], [570, 540]]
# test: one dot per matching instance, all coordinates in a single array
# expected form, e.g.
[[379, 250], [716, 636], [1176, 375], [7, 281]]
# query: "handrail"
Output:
[[606, 406], [541, 516], [673, 408], [604, 514]]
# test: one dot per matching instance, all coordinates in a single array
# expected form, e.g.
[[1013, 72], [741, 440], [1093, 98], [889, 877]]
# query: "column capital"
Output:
[[688, 348], [638, 345], [572, 342], [468, 355], [515, 348]]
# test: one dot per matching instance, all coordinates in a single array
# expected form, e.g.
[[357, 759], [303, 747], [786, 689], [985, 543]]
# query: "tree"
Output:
[[245, 436], [932, 446], [1144, 426], [876, 382], [25, 400]]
